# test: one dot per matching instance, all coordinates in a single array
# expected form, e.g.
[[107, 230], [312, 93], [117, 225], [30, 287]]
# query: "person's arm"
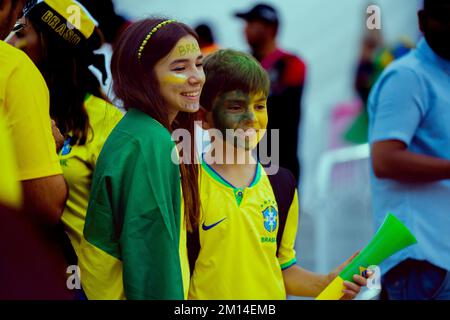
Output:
[[59, 138], [140, 232], [301, 282], [149, 240], [391, 159], [99, 254], [39, 171], [298, 281], [45, 198], [397, 107]]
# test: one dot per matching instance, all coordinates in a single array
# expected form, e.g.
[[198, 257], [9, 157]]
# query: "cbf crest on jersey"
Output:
[[270, 218], [67, 147]]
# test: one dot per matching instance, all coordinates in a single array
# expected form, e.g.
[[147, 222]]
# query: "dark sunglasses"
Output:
[[19, 26]]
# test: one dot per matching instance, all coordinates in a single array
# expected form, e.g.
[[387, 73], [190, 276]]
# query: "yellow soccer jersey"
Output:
[[24, 99], [184, 260], [78, 164], [238, 232], [10, 191]]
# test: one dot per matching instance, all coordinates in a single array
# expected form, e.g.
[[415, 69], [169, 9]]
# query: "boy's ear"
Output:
[[203, 115]]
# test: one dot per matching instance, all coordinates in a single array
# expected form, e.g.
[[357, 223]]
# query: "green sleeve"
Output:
[[135, 217], [150, 238], [100, 225]]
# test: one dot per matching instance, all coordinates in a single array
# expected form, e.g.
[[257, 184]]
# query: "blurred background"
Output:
[[334, 42]]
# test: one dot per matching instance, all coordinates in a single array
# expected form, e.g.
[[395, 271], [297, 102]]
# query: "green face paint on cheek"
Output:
[[224, 118]]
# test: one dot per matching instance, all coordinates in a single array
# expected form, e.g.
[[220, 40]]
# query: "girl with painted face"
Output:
[[136, 226]]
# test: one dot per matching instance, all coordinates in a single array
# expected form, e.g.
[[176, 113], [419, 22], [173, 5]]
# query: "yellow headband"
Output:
[[149, 35]]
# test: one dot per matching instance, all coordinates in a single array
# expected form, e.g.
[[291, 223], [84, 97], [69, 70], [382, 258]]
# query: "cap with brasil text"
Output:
[[67, 19], [262, 12], [69, 22]]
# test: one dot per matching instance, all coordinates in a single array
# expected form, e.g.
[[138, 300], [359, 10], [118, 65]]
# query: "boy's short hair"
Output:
[[228, 70]]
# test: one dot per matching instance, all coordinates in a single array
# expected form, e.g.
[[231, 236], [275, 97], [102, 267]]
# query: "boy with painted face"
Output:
[[238, 256]]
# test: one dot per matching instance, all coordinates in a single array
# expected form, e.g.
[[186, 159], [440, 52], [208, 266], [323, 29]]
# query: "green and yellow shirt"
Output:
[[135, 237]]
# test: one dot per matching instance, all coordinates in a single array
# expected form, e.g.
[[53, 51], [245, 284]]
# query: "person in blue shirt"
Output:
[[409, 132]]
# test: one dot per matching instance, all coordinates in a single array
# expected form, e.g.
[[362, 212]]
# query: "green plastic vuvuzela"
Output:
[[390, 238]]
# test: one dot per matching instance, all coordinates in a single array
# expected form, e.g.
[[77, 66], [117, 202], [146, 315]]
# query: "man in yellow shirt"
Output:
[[33, 265], [25, 103]]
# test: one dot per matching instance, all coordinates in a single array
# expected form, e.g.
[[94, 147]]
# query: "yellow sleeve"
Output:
[[100, 273], [10, 191], [286, 252], [105, 123], [27, 114]]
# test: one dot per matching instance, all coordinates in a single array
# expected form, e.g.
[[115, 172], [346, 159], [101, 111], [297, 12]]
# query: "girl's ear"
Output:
[[203, 115]]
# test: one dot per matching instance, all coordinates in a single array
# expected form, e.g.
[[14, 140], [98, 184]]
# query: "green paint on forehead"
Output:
[[233, 95], [220, 112], [225, 118], [188, 48]]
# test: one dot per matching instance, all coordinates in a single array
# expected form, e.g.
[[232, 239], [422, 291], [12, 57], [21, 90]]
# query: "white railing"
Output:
[[353, 185]]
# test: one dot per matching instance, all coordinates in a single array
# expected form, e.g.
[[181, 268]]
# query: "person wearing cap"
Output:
[[63, 53], [287, 77]]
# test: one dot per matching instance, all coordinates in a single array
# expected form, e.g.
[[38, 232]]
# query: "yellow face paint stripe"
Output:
[[175, 79], [333, 291]]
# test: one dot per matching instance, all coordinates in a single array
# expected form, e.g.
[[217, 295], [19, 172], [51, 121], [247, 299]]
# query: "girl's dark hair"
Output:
[[136, 84], [69, 80]]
